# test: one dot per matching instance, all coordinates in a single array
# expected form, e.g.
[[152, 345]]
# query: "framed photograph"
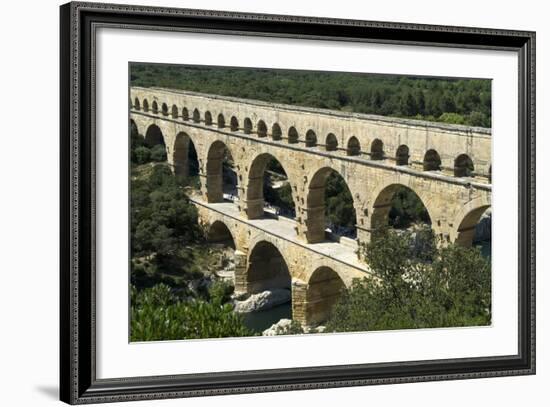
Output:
[[255, 203]]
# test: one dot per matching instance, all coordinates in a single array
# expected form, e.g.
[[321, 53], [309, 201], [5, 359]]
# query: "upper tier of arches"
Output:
[[332, 141]]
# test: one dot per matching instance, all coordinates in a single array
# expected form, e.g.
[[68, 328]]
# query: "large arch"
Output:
[[267, 269], [467, 219], [255, 198], [184, 157], [218, 163], [318, 196], [323, 291], [432, 161], [218, 232], [154, 136], [386, 200]]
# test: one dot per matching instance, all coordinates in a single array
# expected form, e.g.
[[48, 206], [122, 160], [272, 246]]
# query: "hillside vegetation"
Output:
[[458, 101]]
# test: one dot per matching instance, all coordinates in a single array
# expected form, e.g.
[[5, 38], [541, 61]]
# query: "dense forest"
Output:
[[458, 101]]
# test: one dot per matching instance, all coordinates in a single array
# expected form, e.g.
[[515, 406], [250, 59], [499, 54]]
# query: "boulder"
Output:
[[262, 301], [278, 328]]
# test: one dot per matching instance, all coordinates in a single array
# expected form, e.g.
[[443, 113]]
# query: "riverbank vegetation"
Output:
[[173, 295], [436, 287], [458, 101]]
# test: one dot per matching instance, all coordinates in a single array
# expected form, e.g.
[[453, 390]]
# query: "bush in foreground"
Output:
[[157, 314], [452, 289]]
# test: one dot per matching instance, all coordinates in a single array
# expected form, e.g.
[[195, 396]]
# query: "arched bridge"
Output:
[[447, 166]]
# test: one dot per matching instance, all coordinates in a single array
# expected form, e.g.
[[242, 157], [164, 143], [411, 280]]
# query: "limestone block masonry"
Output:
[[375, 156]]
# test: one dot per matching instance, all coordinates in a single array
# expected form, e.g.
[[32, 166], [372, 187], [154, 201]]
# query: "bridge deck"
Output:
[[283, 228]]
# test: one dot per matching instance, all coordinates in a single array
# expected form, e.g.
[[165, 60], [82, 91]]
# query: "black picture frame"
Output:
[[78, 382]]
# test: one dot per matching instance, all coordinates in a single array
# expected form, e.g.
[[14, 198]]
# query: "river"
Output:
[[261, 320]]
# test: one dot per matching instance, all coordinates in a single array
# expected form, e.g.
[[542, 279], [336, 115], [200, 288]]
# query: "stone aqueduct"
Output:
[[447, 166]]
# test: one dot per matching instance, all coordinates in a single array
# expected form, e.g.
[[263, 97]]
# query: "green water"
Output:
[[261, 320]]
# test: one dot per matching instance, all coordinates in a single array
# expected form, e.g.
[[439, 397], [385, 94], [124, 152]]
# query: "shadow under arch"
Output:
[[219, 172], [264, 171], [329, 204], [184, 159], [219, 232], [325, 288], [154, 136], [467, 220], [267, 269], [398, 206]]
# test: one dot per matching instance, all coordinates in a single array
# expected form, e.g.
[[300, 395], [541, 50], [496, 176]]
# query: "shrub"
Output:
[[448, 287], [156, 314], [158, 153]]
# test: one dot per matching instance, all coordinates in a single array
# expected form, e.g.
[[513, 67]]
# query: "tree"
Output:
[[157, 314], [158, 153], [443, 287]]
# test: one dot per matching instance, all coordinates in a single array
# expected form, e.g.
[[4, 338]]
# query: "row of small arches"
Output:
[[463, 164]]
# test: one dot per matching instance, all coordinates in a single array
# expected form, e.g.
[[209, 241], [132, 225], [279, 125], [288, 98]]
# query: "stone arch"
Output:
[[261, 129], [276, 132], [324, 289], [490, 172], [145, 105], [196, 116], [155, 107], [354, 147], [331, 143], [467, 219], [234, 124], [255, 199], [134, 130], [247, 125], [184, 157], [267, 269], [316, 221], [432, 161], [185, 114], [402, 155], [377, 149], [218, 232], [136, 104], [311, 138], [218, 156], [164, 109], [464, 166], [174, 112], [382, 205], [221, 121], [208, 118], [292, 135], [154, 136]]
